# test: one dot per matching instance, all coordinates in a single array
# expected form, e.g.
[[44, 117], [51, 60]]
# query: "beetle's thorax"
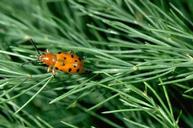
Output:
[[47, 58]]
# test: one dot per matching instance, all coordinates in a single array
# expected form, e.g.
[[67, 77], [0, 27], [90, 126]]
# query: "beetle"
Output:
[[67, 62]]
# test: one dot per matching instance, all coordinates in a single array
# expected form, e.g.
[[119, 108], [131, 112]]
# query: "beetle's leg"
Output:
[[49, 68], [71, 52], [53, 71], [47, 51]]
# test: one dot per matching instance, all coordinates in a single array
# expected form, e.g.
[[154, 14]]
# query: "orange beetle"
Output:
[[64, 61]]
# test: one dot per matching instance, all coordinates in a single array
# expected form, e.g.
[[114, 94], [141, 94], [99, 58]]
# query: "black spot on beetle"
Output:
[[70, 69], [72, 56], [59, 52], [62, 63], [74, 66], [79, 59], [65, 58], [78, 70], [76, 61], [56, 68]]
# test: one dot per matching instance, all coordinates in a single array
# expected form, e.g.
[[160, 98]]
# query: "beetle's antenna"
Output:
[[33, 43], [31, 61]]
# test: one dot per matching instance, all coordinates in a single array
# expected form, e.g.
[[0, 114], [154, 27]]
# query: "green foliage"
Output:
[[138, 54]]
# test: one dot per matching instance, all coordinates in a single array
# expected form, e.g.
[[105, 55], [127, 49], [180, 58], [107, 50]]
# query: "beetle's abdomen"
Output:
[[68, 62]]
